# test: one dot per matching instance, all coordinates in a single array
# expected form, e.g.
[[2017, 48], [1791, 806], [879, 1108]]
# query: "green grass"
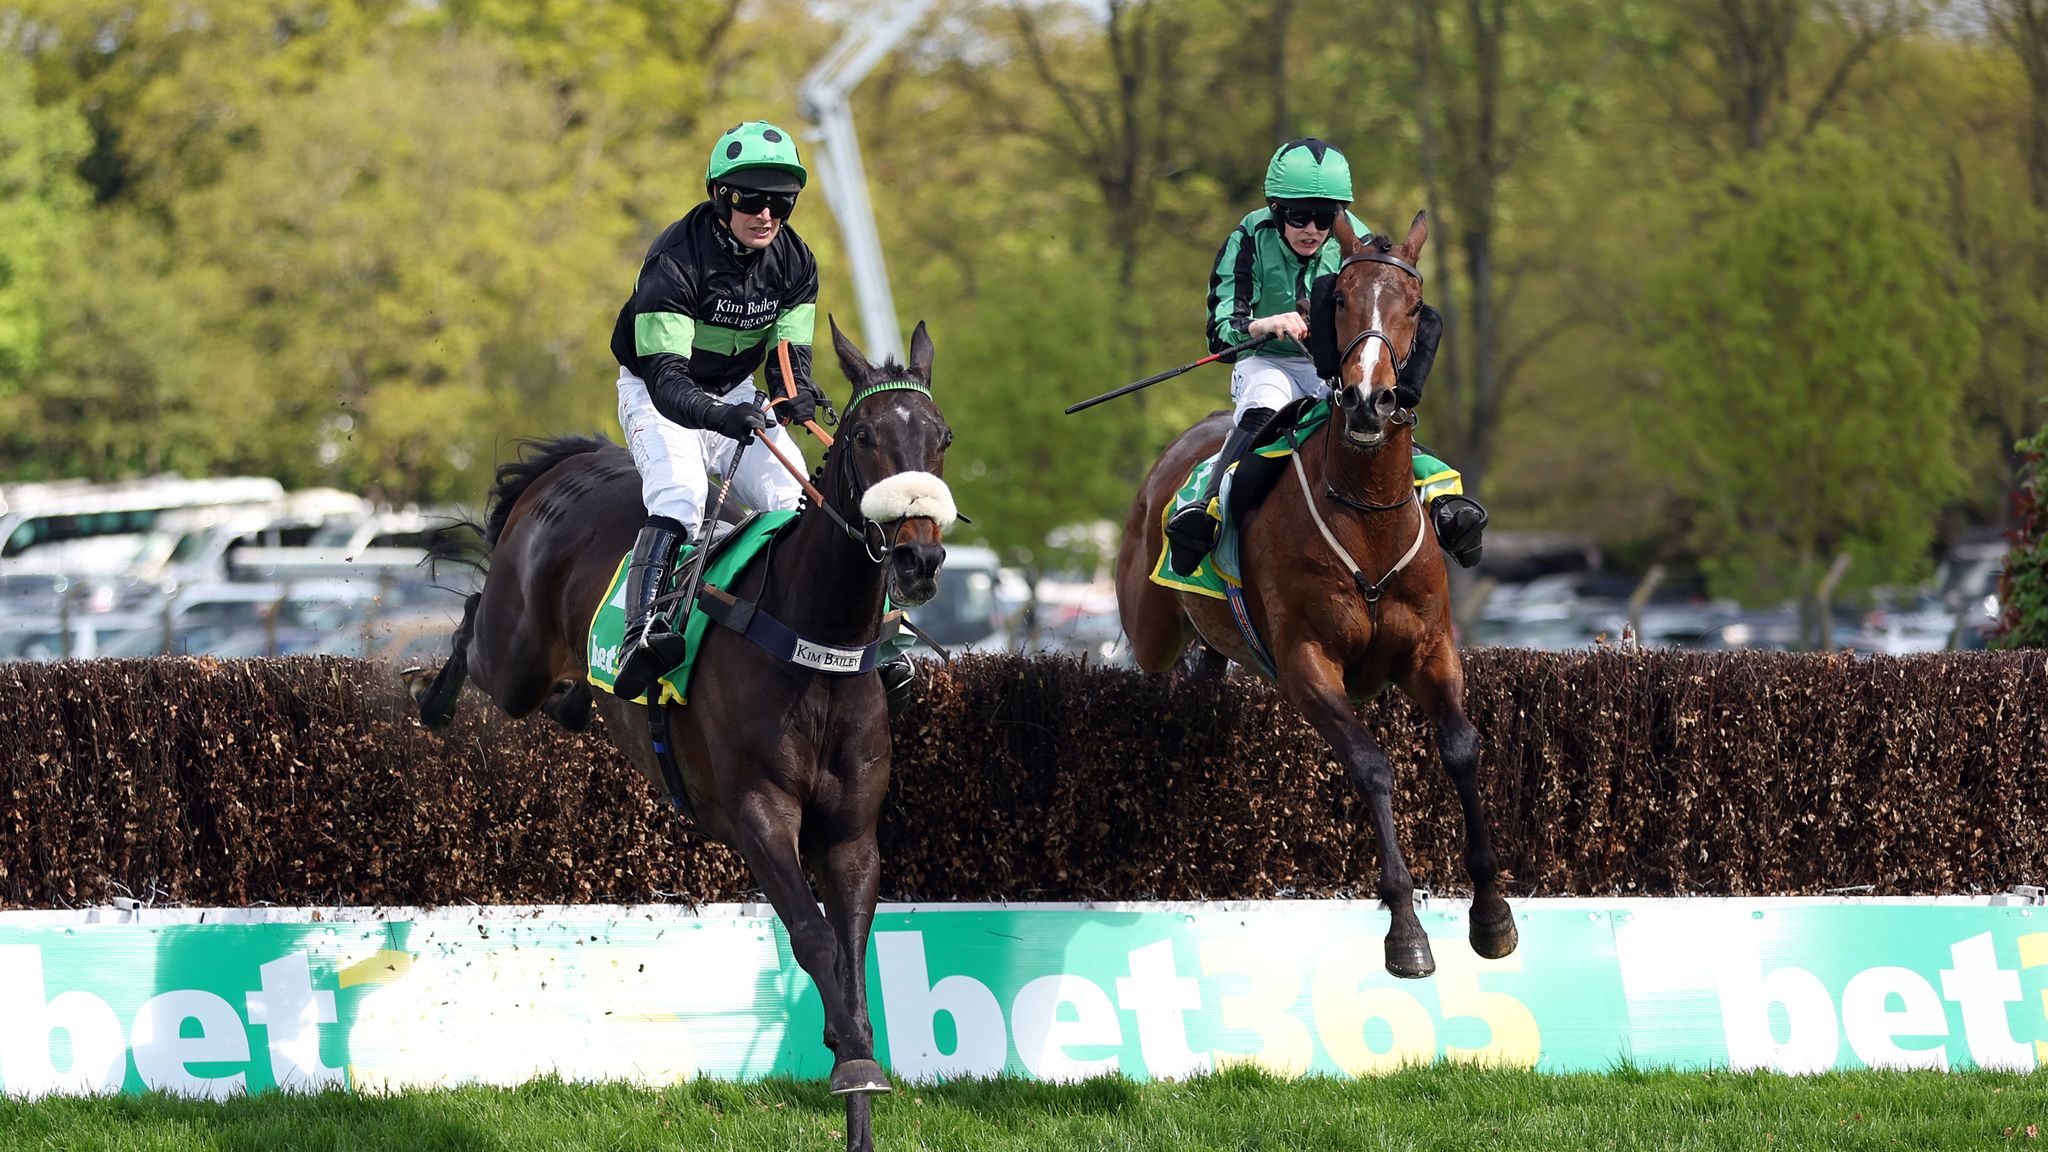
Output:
[[1441, 1107]]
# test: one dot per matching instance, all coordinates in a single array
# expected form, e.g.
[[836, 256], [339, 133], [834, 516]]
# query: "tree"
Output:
[[2023, 586], [1775, 69], [1018, 466], [1811, 334], [42, 204], [2022, 26], [1498, 83]]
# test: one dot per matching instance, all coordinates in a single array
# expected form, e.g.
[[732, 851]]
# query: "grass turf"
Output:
[[1441, 1107]]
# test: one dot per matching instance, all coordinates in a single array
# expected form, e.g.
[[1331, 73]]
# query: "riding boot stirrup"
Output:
[[899, 677], [1191, 532], [652, 648], [1460, 523]]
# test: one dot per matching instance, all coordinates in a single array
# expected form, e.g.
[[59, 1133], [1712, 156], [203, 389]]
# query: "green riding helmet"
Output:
[[1308, 169], [756, 155]]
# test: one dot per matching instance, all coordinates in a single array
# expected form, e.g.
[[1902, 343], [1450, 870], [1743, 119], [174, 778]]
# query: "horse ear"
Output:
[[921, 355], [852, 360], [1418, 234], [1347, 236]]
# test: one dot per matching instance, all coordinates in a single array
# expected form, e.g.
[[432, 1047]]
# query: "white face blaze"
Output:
[[1373, 345]]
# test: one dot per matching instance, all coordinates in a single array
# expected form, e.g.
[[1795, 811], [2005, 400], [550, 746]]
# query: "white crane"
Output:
[[823, 100]]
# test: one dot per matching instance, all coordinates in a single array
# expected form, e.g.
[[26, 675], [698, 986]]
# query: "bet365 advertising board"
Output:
[[221, 1002]]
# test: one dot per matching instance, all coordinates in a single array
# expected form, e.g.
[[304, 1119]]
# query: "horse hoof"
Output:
[[416, 680], [1410, 961], [1496, 938], [861, 1077]]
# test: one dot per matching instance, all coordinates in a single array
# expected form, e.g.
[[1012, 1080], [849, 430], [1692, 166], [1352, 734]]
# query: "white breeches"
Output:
[[1271, 382], [675, 461]]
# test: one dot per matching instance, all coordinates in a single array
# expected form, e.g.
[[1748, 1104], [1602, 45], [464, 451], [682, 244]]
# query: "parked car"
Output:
[[965, 615]]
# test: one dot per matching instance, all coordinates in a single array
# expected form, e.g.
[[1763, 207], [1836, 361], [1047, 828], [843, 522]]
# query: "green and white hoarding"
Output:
[[218, 1002]]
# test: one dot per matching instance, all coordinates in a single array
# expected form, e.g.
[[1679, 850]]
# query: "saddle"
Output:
[[1262, 466], [731, 548], [1253, 480]]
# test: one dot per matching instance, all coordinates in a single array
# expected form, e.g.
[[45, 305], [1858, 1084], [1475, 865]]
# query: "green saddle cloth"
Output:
[[729, 557], [1222, 567]]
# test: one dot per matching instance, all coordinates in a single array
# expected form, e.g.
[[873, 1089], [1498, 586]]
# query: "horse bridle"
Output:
[[1351, 346], [878, 545], [1399, 419]]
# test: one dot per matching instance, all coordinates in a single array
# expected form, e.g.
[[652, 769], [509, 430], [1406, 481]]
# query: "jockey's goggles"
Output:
[[1322, 218], [748, 202]]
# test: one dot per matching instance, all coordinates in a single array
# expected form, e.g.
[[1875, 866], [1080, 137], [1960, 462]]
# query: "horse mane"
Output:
[[1380, 244], [514, 477]]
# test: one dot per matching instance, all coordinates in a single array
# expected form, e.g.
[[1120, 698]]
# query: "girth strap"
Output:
[[1240, 614], [665, 756], [782, 642]]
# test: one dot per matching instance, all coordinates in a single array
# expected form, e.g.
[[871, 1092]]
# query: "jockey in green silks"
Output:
[[1266, 269]]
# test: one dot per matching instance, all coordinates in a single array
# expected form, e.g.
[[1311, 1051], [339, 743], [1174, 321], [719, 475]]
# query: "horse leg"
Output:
[[514, 668], [1201, 664], [1316, 686], [766, 825], [437, 699], [850, 879], [1438, 686], [569, 704], [1159, 632]]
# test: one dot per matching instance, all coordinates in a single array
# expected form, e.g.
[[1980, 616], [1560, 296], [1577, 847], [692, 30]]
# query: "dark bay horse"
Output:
[[1342, 584], [785, 764]]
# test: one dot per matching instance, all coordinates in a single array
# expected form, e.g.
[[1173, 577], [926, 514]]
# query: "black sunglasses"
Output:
[[1302, 218], [748, 202]]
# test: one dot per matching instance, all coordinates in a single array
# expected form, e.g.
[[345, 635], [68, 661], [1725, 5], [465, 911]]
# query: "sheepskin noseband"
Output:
[[909, 494]]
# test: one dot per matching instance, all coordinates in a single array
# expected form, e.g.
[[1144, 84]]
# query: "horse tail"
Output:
[[457, 543], [465, 544], [514, 477]]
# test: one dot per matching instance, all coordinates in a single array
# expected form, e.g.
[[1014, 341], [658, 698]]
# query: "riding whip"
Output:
[[1149, 381]]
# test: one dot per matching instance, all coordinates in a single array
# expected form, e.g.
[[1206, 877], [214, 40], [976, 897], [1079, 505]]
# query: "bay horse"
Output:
[[786, 764], [1341, 583]]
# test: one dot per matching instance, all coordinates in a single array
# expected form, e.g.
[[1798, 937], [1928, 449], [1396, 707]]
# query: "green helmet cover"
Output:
[[754, 144], [1308, 169]]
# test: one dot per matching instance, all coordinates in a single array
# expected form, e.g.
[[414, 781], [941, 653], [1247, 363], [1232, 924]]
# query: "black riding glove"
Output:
[[737, 421], [801, 408], [1429, 328]]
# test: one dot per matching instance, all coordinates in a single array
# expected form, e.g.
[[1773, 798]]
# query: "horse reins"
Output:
[[811, 491], [789, 393]]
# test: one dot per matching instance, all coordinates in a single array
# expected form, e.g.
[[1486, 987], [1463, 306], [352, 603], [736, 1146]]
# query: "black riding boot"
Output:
[[898, 675], [1191, 532], [651, 647], [1459, 522]]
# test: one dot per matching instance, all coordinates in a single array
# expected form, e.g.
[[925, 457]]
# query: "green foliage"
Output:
[[42, 204], [1812, 333], [1006, 366], [2023, 588], [371, 242]]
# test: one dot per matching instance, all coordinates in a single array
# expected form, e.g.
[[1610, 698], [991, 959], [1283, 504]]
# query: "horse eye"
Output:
[[861, 437], [947, 442], [1337, 298], [1417, 310]]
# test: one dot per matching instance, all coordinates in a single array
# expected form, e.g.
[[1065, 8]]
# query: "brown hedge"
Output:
[[307, 781]]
